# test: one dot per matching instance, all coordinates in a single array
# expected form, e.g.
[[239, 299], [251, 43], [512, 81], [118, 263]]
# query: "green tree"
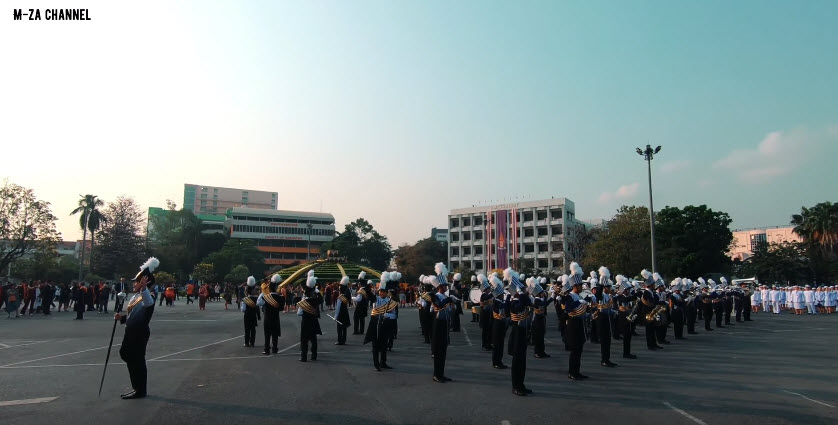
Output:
[[88, 207], [121, 248], [175, 236], [234, 252], [203, 272], [361, 243], [778, 262], [238, 274], [165, 279], [693, 241], [26, 224], [818, 226], [415, 260], [622, 244]]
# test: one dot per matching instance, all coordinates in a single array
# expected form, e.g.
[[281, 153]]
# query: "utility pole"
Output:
[[649, 155]]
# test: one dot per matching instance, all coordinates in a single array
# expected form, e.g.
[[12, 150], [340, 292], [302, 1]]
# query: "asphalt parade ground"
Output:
[[778, 369]]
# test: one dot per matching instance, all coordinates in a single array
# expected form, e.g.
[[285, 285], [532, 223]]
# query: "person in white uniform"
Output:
[[809, 299], [756, 299], [774, 294], [766, 299]]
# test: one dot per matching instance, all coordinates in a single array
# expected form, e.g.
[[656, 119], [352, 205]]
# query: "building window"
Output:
[[528, 248], [466, 222], [757, 240], [455, 265], [556, 214], [478, 250], [455, 237], [455, 223], [557, 230], [478, 221], [203, 196], [542, 264], [466, 250], [542, 215], [203, 189], [478, 235], [478, 265], [542, 247], [215, 190], [542, 231], [455, 251], [527, 216], [466, 236], [528, 232]]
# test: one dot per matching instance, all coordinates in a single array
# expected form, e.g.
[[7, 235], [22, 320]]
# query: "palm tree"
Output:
[[818, 226], [88, 205], [97, 218]]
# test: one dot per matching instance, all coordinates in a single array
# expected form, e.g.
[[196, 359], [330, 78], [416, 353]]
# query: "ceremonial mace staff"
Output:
[[115, 321]]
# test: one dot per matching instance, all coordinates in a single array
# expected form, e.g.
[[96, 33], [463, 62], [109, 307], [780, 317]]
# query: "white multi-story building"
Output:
[[494, 237], [284, 237], [216, 200], [746, 241]]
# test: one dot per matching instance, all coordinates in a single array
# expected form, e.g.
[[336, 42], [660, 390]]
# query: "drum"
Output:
[[474, 295]]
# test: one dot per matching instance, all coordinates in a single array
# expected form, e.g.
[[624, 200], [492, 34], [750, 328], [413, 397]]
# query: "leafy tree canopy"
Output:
[[361, 243], [693, 241], [235, 252], [26, 224], [415, 260]]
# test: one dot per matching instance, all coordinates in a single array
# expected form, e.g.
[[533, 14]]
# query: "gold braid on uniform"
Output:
[[518, 317], [539, 310], [308, 308], [134, 303], [578, 311], [497, 316], [487, 303], [385, 308], [269, 298], [250, 303], [363, 293], [436, 309], [343, 299]]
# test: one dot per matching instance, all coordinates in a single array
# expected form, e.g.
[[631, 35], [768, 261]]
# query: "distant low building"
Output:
[[746, 241], [440, 235]]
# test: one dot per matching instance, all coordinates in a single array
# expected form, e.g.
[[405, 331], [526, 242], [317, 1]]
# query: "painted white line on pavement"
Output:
[[57, 355], [20, 345], [54, 365], [807, 398], [287, 348], [196, 348], [687, 415], [27, 401], [505, 422], [468, 340]]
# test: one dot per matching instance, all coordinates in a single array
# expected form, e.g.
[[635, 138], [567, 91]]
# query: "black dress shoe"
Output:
[[500, 366], [133, 395], [446, 379], [266, 352], [664, 342], [313, 358], [439, 380], [487, 349], [303, 360], [377, 369], [338, 343], [527, 390], [129, 393], [385, 366], [607, 364], [583, 376], [692, 333], [680, 338], [629, 356], [521, 393], [573, 377]]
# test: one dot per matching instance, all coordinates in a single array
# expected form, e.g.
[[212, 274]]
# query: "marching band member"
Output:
[[519, 310], [362, 302], [575, 308], [425, 301], [380, 330], [475, 307], [539, 319], [443, 308], [500, 306], [747, 302], [309, 310], [626, 313], [486, 310], [678, 303], [457, 291], [272, 303], [649, 300], [342, 310], [136, 318], [718, 302], [603, 304], [705, 300], [251, 313], [691, 309]]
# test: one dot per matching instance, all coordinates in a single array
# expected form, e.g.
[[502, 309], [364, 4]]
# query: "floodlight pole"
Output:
[[649, 155]]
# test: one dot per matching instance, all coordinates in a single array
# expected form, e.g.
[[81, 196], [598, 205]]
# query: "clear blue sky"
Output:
[[401, 111]]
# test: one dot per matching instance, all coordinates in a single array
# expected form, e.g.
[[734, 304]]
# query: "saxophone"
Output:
[[654, 316]]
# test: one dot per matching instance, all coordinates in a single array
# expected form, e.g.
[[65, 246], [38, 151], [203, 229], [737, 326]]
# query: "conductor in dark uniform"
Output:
[[309, 310], [342, 310], [575, 309], [136, 318], [362, 303]]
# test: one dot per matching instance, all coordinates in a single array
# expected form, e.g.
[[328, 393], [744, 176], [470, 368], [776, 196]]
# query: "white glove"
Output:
[[317, 290]]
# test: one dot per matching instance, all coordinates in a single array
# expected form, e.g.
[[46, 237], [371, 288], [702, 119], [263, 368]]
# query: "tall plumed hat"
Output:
[[441, 273], [147, 269], [534, 286], [344, 281], [497, 285], [251, 281], [458, 277], [514, 279], [484, 282], [575, 274]]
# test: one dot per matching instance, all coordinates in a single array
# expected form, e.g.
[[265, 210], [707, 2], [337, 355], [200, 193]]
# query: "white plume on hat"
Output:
[[473, 278], [457, 277], [385, 277], [593, 274], [422, 279], [276, 278], [310, 273], [645, 273], [344, 280], [701, 280], [604, 272], [440, 269], [150, 264], [251, 281], [362, 275], [497, 285], [620, 278], [434, 281], [311, 282], [542, 281], [395, 276], [382, 286], [575, 269], [656, 276], [370, 282], [723, 280]]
